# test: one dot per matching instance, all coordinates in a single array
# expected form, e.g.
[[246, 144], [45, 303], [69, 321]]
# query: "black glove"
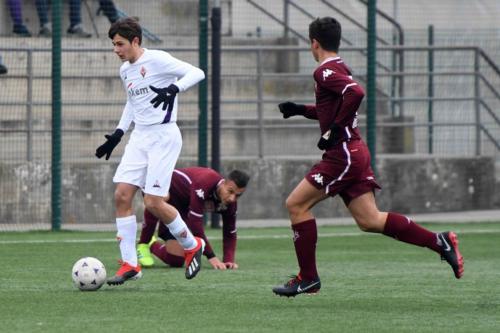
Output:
[[107, 147], [289, 109], [165, 96], [329, 138]]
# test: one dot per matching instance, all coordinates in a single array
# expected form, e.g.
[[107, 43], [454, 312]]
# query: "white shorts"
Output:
[[150, 157]]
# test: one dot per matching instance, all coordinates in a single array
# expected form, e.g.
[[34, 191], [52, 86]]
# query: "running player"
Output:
[[151, 78], [344, 169]]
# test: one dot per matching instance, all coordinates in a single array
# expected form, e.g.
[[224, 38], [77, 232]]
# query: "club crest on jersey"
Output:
[[143, 71], [318, 178], [326, 73], [200, 193]]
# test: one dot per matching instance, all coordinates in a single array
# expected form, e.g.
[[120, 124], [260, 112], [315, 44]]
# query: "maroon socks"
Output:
[[305, 237], [159, 250], [148, 227], [405, 230]]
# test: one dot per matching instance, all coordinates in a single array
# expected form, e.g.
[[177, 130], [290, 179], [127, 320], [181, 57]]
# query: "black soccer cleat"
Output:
[[297, 285], [449, 251], [125, 273]]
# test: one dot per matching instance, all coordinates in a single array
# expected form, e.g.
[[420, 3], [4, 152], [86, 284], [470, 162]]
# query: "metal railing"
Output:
[[397, 63], [264, 122]]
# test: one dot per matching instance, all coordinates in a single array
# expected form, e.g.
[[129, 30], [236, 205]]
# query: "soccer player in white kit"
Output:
[[151, 78]]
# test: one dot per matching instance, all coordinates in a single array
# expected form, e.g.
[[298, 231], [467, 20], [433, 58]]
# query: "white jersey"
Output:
[[159, 69]]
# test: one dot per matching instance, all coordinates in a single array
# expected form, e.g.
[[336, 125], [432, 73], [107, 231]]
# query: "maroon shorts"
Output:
[[344, 170]]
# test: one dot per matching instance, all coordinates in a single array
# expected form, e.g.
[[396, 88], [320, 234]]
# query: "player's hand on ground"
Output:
[[216, 263], [111, 142], [231, 265], [165, 96], [290, 109]]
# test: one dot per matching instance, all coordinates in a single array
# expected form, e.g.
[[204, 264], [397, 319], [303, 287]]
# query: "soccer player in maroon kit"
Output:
[[193, 191], [344, 168]]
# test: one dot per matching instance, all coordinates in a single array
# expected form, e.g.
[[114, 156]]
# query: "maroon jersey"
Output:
[[345, 166], [193, 192], [338, 97]]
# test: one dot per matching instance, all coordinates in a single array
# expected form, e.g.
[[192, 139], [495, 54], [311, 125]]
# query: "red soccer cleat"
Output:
[[192, 258], [126, 272]]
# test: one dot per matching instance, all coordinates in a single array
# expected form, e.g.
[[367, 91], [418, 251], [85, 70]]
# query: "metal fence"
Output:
[[440, 100], [451, 107]]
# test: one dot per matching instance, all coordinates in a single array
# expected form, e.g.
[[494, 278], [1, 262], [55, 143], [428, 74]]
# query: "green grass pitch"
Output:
[[370, 283]]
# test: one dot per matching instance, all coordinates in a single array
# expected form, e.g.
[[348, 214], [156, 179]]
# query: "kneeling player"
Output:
[[194, 191]]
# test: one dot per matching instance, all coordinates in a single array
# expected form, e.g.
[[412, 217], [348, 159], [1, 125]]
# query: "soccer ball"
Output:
[[88, 274]]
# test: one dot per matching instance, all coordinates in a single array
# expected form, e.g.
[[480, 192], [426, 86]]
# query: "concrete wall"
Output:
[[163, 18], [410, 185]]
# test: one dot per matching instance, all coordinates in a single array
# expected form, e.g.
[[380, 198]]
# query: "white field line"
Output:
[[240, 237]]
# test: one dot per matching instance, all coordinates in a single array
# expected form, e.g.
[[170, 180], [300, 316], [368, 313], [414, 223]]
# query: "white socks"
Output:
[[127, 230], [181, 232]]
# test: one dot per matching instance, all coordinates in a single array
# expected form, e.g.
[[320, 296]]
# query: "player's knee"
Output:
[[153, 203], [296, 211], [122, 198], [292, 206]]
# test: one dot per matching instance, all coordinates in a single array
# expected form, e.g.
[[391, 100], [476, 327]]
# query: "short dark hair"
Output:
[[327, 31], [240, 178], [126, 27]]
